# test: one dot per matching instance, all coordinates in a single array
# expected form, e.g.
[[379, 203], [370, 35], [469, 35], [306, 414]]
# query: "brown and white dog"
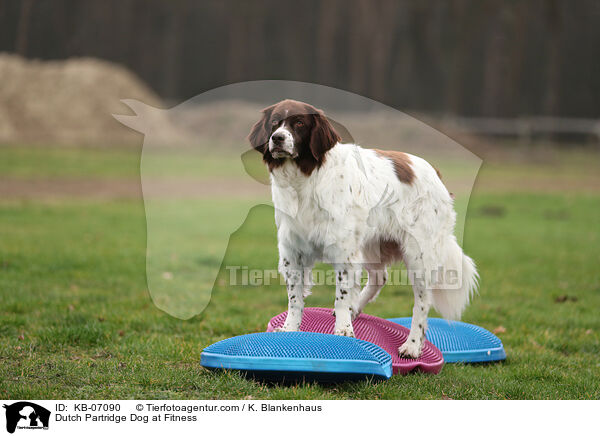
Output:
[[359, 209]]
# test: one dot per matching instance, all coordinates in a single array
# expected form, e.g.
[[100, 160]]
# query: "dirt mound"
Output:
[[68, 101]]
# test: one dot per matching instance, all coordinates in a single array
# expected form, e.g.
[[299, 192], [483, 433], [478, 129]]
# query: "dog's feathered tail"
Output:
[[450, 300]]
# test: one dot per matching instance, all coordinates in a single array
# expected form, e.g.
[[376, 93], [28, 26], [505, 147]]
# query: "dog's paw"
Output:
[[409, 350], [345, 331]]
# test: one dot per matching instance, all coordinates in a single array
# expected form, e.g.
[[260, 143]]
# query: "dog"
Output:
[[356, 209]]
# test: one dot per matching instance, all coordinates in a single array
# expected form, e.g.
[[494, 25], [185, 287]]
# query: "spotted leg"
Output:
[[414, 343], [297, 276], [346, 297]]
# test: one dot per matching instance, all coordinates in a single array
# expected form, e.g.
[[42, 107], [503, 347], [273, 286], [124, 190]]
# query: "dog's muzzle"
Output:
[[281, 144]]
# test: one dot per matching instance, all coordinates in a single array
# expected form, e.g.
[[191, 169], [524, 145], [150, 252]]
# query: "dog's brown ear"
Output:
[[323, 136], [259, 134], [341, 131]]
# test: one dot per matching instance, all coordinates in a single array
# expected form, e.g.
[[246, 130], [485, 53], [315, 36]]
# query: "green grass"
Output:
[[64, 163], [77, 321]]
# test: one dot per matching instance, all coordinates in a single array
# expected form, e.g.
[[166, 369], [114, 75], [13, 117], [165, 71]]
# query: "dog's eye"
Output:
[[275, 122], [298, 123]]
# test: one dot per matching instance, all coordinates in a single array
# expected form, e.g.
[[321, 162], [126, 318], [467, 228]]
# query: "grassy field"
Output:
[[77, 321]]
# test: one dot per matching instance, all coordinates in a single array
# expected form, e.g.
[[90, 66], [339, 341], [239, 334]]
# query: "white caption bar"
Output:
[[250, 417]]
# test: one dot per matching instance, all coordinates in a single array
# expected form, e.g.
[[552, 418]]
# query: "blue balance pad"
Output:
[[461, 342], [292, 356]]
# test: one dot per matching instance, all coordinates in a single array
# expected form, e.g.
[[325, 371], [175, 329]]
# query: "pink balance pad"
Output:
[[388, 335]]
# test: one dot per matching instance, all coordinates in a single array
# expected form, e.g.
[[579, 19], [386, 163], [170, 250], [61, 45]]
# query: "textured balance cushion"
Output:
[[386, 334], [461, 342], [291, 356]]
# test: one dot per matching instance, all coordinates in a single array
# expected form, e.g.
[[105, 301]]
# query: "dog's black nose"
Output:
[[278, 138]]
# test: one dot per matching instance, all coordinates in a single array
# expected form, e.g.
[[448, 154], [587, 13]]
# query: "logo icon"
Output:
[[26, 415]]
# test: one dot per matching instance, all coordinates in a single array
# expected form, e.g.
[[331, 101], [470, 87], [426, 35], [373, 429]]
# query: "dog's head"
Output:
[[293, 130]]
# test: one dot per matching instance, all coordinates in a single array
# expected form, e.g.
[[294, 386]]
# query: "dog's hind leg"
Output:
[[414, 343], [377, 278], [423, 299]]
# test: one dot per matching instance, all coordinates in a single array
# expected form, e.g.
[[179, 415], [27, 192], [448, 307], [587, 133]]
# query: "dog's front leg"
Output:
[[297, 278], [346, 297]]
